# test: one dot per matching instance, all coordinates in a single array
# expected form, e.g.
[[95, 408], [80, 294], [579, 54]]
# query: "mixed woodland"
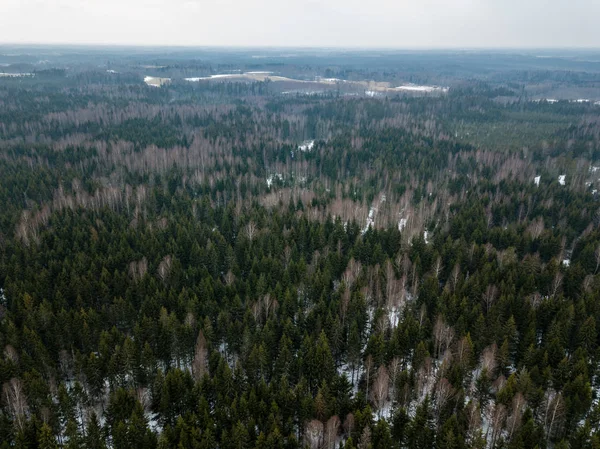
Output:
[[218, 265]]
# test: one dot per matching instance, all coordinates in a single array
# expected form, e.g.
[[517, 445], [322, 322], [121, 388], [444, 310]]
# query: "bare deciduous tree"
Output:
[[16, 401], [497, 415], [368, 369], [443, 335], [381, 388], [331, 432], [251, 230], [444, 391], [489, 297], [554, 413], [556, 284], [164, 267], [313, 434], [516, 413], [349, 424], [200, 361], [365, 439]]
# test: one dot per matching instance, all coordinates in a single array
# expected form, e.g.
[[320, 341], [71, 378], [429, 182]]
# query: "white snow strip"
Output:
[[14, 75], [402, 223], [417, 88], [370, 220], [156, 81], [561, 179], [536, 180]]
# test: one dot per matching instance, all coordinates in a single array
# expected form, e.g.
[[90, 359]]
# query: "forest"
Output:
[[226, 265]]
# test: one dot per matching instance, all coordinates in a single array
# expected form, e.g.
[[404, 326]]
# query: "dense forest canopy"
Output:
[[248, 263]]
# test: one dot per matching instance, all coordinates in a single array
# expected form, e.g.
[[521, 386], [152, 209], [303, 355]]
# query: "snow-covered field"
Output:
[[422, 89], [213, 77], [156, 81], [14, 75]]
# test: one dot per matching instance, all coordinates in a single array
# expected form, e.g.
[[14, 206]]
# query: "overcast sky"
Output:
[[305, 23]]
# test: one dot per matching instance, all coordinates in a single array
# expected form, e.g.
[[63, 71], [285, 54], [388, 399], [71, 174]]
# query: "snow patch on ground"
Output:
[[536, 180], [426, 236], [370, 220], [566, 262], [272, 178], [344, 369], [372, 93], [561, 179], [111, 71], [306, 146], [402, 223]]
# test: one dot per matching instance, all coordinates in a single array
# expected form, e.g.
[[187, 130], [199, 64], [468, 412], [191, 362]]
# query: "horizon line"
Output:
[[293, 47]]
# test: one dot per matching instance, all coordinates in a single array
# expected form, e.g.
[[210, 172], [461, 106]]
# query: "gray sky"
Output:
[[327, 23]]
